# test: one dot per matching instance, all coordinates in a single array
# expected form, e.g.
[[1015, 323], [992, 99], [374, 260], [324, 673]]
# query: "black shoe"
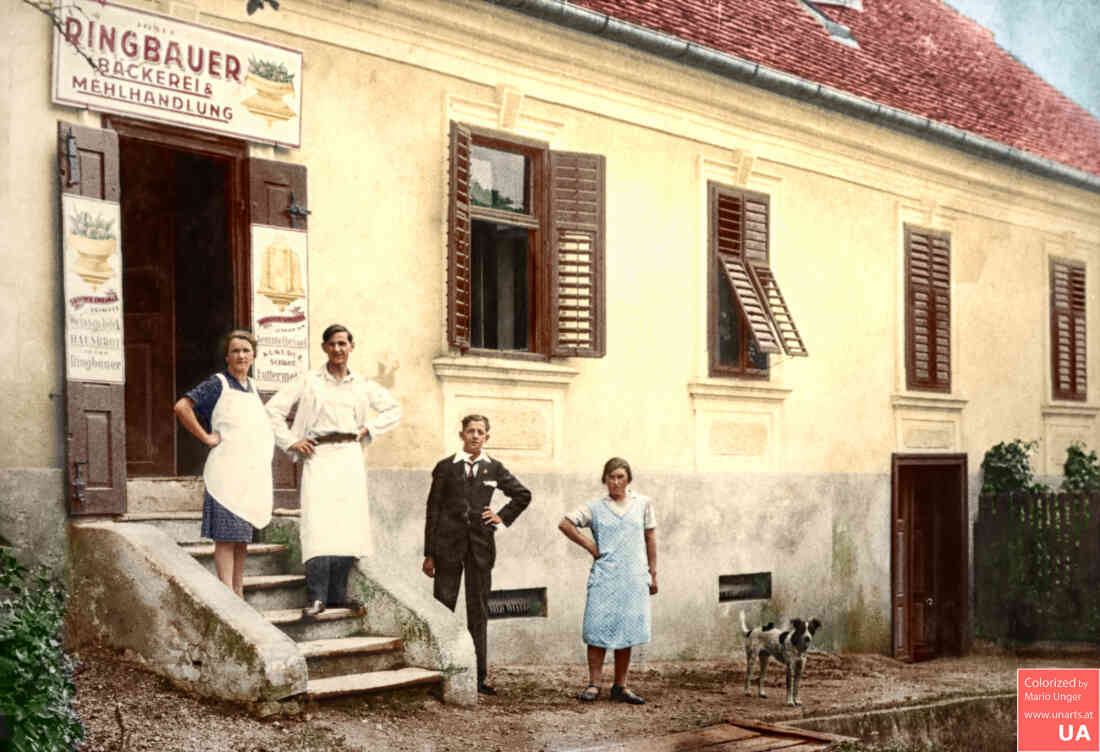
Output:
[[486, 689], [314, 609], [622, 694]]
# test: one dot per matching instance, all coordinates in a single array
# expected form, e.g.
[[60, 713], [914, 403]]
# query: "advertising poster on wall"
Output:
[[91, 243], [160, 68], [280, 305]]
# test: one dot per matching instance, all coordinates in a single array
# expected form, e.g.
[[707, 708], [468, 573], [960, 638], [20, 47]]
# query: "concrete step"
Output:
[[332, 623], [263, 558], [181, 527], [168, 494], [267, 592], [372, 681], [352, 655]]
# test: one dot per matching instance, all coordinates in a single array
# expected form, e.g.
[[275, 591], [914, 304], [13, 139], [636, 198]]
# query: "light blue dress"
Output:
[[617, 610]]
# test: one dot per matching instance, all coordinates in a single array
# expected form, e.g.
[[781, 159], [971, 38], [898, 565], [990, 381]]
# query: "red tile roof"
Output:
[[921, 56]]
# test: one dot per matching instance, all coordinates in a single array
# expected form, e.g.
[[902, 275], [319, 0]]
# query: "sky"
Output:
[[1058, 39]]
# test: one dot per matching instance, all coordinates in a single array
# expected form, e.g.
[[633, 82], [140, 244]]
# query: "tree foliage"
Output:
[[1081, 471], [1006, 467]]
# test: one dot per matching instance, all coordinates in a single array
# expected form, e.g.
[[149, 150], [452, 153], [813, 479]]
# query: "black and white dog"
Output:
[[788, 646]]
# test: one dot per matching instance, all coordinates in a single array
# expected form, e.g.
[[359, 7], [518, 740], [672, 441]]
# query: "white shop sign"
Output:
[[280, 304], [160, 68], [92, 265]]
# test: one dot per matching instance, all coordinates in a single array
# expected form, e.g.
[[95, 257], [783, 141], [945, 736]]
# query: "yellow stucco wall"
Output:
[[381, 82]]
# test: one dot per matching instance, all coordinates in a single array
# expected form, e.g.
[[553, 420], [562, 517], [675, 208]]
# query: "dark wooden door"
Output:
[[277, 197], [95, 426], [148, 283], [922, 511], [929, 571]]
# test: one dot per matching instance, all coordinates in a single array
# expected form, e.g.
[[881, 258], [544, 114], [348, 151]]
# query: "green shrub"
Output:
[[1007, 468], [1081, 471], [36, 685]]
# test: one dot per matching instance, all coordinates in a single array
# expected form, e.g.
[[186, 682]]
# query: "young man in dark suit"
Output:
[[459, 529]]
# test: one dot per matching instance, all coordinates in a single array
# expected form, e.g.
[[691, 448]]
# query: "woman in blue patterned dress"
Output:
[[225, 413], [624, 574]]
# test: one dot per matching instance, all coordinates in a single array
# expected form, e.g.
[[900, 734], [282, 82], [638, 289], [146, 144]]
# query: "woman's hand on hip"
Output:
[[304, 447], [212, 439]]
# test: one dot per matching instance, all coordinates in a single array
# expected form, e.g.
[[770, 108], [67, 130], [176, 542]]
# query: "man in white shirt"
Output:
[[334, 416]]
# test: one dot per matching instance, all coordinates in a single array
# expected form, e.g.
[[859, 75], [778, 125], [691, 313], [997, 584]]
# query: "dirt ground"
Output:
[[126, 708]]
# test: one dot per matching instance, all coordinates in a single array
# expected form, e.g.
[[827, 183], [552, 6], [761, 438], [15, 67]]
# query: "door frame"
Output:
[[901, 539], [210, 144], [235, 153]]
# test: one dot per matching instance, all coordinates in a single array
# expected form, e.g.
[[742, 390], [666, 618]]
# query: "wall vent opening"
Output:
[[745, 587], [515, 604]]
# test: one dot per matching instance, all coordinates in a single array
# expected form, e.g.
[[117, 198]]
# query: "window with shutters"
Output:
[[525, 247], [748, 317], [1069, 372], [927, 310]]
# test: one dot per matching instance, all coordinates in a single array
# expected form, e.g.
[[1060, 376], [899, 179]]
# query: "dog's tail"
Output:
[[744, 627]]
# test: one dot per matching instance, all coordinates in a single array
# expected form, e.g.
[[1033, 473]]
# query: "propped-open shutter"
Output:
[[782, 320], [95, 389], [458, 240], [928, 336], [739, 233], [1067, 330], [277, 197], [577, 254]]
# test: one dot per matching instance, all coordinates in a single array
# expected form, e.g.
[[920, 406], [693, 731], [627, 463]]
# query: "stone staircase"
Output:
[[341, 660]]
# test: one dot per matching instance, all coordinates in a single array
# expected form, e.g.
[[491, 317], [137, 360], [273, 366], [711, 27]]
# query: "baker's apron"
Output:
[[238, 469], [335, 518]]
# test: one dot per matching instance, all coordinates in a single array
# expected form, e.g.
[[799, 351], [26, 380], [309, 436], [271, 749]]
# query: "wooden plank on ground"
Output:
[[734, 736]]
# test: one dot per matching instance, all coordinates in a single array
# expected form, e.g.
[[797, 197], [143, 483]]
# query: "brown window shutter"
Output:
[[928, 310], [458, 240], [1067, 329], [739, 236], [782, 320], [577, 252], [273, 188], [95, 412]]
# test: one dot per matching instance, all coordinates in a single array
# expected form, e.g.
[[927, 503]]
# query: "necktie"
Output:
[[470, 468]]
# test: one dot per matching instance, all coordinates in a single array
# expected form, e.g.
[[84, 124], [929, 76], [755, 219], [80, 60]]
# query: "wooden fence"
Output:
[[1037, 567]]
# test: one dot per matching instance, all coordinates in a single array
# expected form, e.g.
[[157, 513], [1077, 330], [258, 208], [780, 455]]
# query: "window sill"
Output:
[[1070, 410], [740, 391], [928, 401], [475, 368]]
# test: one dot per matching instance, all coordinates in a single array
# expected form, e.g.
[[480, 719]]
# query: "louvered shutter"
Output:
[[739, 235], [458, 240], [577, 254], [928, 310], [274, 187], [95, 407], [1067, 330]]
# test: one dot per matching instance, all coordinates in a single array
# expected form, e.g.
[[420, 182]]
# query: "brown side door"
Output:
[[277, 197], [95, 424], [929, 571]]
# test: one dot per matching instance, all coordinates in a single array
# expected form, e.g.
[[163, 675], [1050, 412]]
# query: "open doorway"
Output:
[[182, 263], [930, 571]]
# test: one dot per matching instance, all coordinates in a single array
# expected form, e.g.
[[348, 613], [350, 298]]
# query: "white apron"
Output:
[[238, 470], [335, 517]]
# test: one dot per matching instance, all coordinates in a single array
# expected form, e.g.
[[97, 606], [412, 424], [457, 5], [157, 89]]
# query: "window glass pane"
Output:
[[500, 294], [736, 347], [498, 179], [729, 324]]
